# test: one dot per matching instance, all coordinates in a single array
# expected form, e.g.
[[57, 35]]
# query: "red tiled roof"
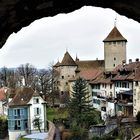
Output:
[[114, 35], [89, 74], [89, 69], [3, 94]]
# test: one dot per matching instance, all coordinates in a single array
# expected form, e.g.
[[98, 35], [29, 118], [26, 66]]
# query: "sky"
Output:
[[81, 33]]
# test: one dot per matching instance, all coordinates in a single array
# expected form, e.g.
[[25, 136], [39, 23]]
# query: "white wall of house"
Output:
[[119, 87], [110, 108], [107, 90], [13, 135], [34, 112], [136, 97]]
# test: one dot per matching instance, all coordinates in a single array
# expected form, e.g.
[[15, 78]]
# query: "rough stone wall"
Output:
[[15, 14], [114, 54], [68, 72]]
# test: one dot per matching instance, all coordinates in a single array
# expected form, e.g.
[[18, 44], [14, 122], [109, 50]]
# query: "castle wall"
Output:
[[114, 54]]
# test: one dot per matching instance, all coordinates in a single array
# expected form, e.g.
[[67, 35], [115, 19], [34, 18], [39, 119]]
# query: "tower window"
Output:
[[113, 65], [114, 58], [114, 42], [62, 77]]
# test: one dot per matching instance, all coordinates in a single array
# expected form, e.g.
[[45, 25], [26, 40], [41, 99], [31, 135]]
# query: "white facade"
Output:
[[136, 97], [13, 135], [101, 94], [122, 86], [37, 109]]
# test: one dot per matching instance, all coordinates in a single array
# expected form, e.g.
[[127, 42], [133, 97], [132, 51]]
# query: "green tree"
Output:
[[37, 123], [79, 107]]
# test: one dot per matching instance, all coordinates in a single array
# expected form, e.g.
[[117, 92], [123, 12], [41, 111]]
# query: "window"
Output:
[[16, 112], [17, 125], [114, 58], [62, 77], [114, 42], [113, 65], [37, 111], [134, 102], [66, 83], [110, 86], [36, 100]]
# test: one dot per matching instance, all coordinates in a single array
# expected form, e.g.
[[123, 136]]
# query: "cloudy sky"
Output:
[[81, 32]]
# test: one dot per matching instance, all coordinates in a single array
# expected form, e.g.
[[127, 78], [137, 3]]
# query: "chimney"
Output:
[[123, 62], [130, 61], [137, 59]]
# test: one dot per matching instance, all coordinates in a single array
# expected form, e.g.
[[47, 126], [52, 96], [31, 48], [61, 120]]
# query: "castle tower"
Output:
[[114, 49], [66, 71]]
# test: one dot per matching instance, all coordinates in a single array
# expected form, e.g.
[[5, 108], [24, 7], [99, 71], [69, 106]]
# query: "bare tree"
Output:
[[43, 81], [27, 72], [54, 90], [8, 77]]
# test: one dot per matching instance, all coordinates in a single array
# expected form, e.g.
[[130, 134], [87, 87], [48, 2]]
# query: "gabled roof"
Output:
[[23, 96], [114, 35], [67, 60], [57, 64]]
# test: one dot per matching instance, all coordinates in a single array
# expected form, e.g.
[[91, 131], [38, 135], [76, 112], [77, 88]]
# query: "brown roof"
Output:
[[90, 64], [67, 60], [22, 97], [89, 69], [57, 64], [102, 79], [114, 35], [128, 71]]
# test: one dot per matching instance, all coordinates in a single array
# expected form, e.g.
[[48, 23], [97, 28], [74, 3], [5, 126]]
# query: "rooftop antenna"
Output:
[[115, 21]]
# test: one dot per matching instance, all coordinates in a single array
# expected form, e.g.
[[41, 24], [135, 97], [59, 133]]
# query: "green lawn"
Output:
[[56, 113], [24, 139]]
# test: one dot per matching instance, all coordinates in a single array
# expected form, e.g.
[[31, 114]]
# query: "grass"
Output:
[[24, 139], [56, 113], [136, 130]]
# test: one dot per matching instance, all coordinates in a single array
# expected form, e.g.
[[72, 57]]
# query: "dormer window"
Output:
[[136, 83], [36, 100]]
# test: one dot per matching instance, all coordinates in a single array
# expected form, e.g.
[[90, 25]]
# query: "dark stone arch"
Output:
[[15, 14]]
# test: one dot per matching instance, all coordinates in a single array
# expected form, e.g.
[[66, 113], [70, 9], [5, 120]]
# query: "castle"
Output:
[[111, 88]]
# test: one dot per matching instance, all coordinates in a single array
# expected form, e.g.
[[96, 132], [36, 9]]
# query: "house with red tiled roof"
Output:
[[24, 108], [3, 101]]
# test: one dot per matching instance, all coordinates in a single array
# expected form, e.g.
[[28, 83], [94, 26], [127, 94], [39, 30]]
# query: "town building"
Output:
[[24, 108]]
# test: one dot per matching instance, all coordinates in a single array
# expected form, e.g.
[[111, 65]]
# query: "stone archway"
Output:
[[15, 14]]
